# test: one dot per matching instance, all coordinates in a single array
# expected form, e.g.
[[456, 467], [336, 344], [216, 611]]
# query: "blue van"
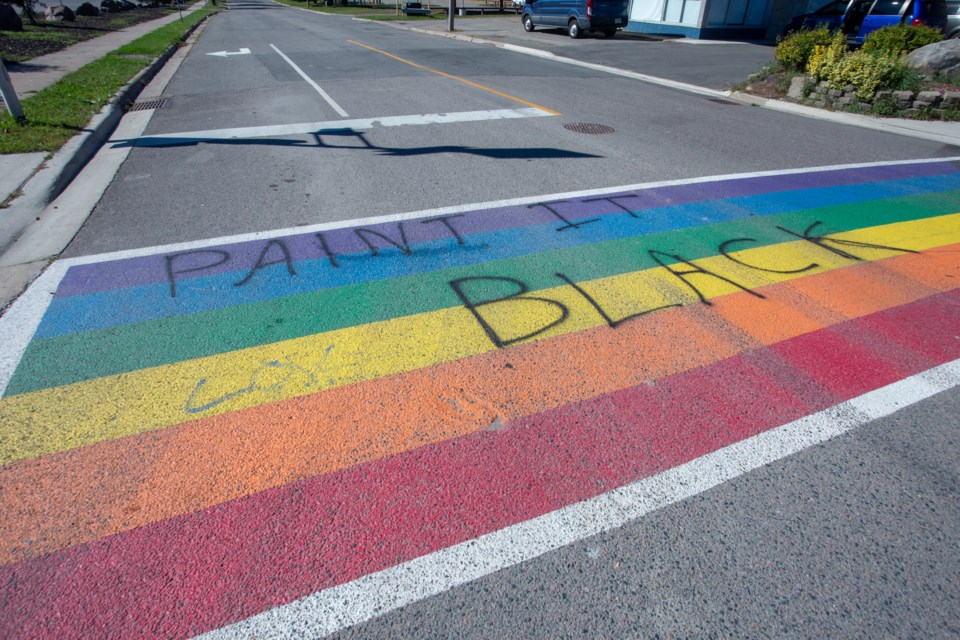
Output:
[[576, 16], [860, 18]]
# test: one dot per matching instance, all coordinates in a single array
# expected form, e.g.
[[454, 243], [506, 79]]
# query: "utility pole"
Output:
[[10, 96], [452, 10]]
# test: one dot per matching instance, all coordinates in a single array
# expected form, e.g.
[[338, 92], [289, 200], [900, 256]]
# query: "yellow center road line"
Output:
[[60, 418], [457, 78]]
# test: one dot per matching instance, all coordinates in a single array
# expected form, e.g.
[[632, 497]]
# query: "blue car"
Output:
[[576, 16], [859, 18]]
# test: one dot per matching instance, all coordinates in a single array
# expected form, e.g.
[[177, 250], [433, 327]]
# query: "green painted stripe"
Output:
[[70, 358]]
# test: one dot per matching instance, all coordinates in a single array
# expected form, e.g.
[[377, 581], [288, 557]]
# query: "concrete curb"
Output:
[[530, 51], [48, 229], [947, 133], [56, 173], [899, 126]]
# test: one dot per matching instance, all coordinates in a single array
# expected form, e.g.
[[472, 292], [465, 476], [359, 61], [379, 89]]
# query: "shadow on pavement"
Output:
[[498, 153]]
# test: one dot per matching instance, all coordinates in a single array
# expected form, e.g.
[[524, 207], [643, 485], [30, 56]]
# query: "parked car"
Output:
[[577, 16], [953, 19], [828, 16], [859, 18]]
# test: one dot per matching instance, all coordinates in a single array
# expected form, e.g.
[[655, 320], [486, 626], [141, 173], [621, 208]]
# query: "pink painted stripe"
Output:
[[194, 573]]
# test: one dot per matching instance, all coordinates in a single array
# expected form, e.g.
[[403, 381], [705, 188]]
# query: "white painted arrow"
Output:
[[223, 54]]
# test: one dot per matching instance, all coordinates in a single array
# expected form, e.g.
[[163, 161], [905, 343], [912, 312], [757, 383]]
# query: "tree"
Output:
[[27, 8]]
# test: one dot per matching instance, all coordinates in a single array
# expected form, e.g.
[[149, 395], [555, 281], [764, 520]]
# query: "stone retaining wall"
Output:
[[934, 104]]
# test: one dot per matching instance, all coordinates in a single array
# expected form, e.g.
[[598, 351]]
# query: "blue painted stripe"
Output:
[[136, 304]]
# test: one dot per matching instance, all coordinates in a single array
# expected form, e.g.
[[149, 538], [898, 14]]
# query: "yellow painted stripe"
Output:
[[457, 78], [60, 418]]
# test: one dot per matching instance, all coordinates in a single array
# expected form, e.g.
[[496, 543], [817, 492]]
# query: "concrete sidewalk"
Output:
[[37, 178], [33, 76], [705, 67], [39, 73]]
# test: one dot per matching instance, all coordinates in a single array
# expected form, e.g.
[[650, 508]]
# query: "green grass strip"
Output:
[[65, 359], [63, 109]]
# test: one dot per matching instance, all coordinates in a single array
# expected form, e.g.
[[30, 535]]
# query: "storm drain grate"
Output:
[[588, 127], [726, 102], [147, 104]]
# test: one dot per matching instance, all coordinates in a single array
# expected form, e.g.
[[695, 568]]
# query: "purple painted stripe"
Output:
[[118, 274]]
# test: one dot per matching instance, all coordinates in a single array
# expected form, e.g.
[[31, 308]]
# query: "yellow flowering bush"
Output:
[[867, 72], [794, 51], [825, 58]]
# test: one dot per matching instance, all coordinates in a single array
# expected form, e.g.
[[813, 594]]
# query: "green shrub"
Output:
[[794, 51], [826, 57], [867, 72], [885, 106], [900, 39], [907, 79]]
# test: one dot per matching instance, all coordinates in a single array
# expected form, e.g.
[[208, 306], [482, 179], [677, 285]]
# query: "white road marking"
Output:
[[223, 54], [21, 320], [323, 94], [338, 126], [462, 208], [375, 594]]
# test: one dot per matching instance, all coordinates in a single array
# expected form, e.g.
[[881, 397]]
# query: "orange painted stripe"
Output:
[[83, 494]]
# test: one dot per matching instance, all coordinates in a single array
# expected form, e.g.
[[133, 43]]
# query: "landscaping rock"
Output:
[[59, 13], [927, 99], [951, 100], [820, 104], [9, 20], [846, 101], [903, 98], [87, 9], [939, 57], [797, 86], [834, 93]]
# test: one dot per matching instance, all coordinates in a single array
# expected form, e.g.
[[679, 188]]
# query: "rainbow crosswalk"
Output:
[[200, 434]]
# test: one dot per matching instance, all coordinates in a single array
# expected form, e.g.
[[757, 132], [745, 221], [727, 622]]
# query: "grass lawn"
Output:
[[58, 112], [47, 37]]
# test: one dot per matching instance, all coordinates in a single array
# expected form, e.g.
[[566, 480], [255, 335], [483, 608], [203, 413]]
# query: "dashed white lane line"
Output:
[[318, 88]]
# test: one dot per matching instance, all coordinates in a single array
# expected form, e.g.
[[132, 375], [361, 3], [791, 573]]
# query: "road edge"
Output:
[[23, 258], [897, 126]]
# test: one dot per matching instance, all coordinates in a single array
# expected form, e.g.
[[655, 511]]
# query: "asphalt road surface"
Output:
[[363, 341]]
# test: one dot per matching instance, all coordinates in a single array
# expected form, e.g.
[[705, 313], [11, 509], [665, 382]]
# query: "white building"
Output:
[[716, 19]]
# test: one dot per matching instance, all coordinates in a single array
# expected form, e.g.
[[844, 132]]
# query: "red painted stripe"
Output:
[[840, 364], [190, 574]]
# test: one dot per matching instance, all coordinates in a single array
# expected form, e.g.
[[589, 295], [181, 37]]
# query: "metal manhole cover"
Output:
[[588, 127], [147, 104], [727, 102]]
